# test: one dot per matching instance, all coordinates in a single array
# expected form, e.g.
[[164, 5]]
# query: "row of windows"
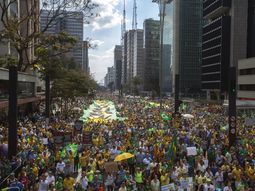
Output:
[[248, 87], [249, 71]]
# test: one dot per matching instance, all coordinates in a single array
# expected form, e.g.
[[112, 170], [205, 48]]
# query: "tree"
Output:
[[71, 84], [22, 32], [136, 81]]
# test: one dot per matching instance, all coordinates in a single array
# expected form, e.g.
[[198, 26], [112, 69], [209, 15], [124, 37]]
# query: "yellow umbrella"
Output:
[[123, 156]]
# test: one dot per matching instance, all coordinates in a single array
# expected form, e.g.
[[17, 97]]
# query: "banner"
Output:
[[78, 126], [100, 111], [87, 138], [191, 151], [61, 137], [169, 187], [249, 121]]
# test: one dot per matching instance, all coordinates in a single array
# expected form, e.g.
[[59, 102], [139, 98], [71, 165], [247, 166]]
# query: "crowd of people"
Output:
[[160, 147]]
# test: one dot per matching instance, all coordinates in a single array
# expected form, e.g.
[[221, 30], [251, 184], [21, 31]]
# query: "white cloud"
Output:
[[99, 61], [97, 42], [109, 17]]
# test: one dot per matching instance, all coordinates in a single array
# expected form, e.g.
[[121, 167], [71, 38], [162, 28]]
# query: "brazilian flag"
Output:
[[165, 116], [171, 153]]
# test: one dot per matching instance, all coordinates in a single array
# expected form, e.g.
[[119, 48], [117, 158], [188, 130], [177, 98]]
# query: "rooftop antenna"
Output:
[[134, 20], [123, 23]]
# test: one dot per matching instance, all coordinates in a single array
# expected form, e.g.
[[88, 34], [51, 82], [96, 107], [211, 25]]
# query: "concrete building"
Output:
[[117, 66], [138, 62], [130, 55], [85, 57], [151, 63], [187, 45], [71, 23], [124, 60], [167, 48], [109, 78], [21, 9], [227, 38], [246, 79]]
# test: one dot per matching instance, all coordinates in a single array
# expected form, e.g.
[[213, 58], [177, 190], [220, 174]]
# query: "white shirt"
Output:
[[226, 188], [208, 187], [84, 182], [43, 185], [60, 166], [50, 179]]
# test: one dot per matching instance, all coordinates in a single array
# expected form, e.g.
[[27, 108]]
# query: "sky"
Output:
[[105, 31]]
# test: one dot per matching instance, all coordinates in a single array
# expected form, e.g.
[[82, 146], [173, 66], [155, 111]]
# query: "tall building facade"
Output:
[[71, 23], [117, 66], [109, 78], [124, 60], [138, 54], [130, 55], [85, 57], [227, 38], [151, 61], [187, 45], [167, 48]]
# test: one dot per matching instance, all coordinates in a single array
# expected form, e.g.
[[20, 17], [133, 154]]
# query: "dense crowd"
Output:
[[160, 148]]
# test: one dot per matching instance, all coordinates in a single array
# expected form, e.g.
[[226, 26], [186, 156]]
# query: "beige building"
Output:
[[246, 79]]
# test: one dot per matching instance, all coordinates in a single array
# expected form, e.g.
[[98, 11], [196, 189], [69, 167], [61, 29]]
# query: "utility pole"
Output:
[[232, 106]]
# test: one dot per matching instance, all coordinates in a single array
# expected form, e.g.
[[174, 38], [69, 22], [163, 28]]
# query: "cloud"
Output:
[[97, 42], [99, 61], [109, 17]]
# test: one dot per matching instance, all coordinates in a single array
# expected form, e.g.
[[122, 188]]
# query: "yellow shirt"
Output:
[[164, 179], [237, 174], [69, 184]]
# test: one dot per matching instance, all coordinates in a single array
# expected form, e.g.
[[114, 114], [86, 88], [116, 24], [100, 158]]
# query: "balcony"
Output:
[[215, 8]]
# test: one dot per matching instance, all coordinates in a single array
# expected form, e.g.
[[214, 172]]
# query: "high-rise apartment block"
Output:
[[187, 45], [85, 57], [118, 66], [138, 68], [151, 46], [227, 38], [71, 23], [132, 56]]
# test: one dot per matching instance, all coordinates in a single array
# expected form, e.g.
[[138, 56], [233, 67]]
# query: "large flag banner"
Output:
[[165, 116], [100, 110]]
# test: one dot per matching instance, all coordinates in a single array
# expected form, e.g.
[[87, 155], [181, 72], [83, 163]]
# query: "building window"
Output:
[[249, 71], [247, 87]]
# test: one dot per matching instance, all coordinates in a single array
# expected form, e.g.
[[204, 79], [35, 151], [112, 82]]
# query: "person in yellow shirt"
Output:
[[237, 173], [164, 179], [68, 183]]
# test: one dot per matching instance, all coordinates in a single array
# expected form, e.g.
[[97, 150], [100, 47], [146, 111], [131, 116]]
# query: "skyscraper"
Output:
[[138, 54], [85, 57], [71, 23], [151, 63], [130, 55], [167, 47], [187, 45], [117, 66], [225, 42], [124, 60]]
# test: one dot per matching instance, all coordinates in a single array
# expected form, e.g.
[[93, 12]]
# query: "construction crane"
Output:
[[134, 20]]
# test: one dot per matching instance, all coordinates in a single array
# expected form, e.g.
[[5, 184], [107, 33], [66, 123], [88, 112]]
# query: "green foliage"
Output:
[[72, 84]]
